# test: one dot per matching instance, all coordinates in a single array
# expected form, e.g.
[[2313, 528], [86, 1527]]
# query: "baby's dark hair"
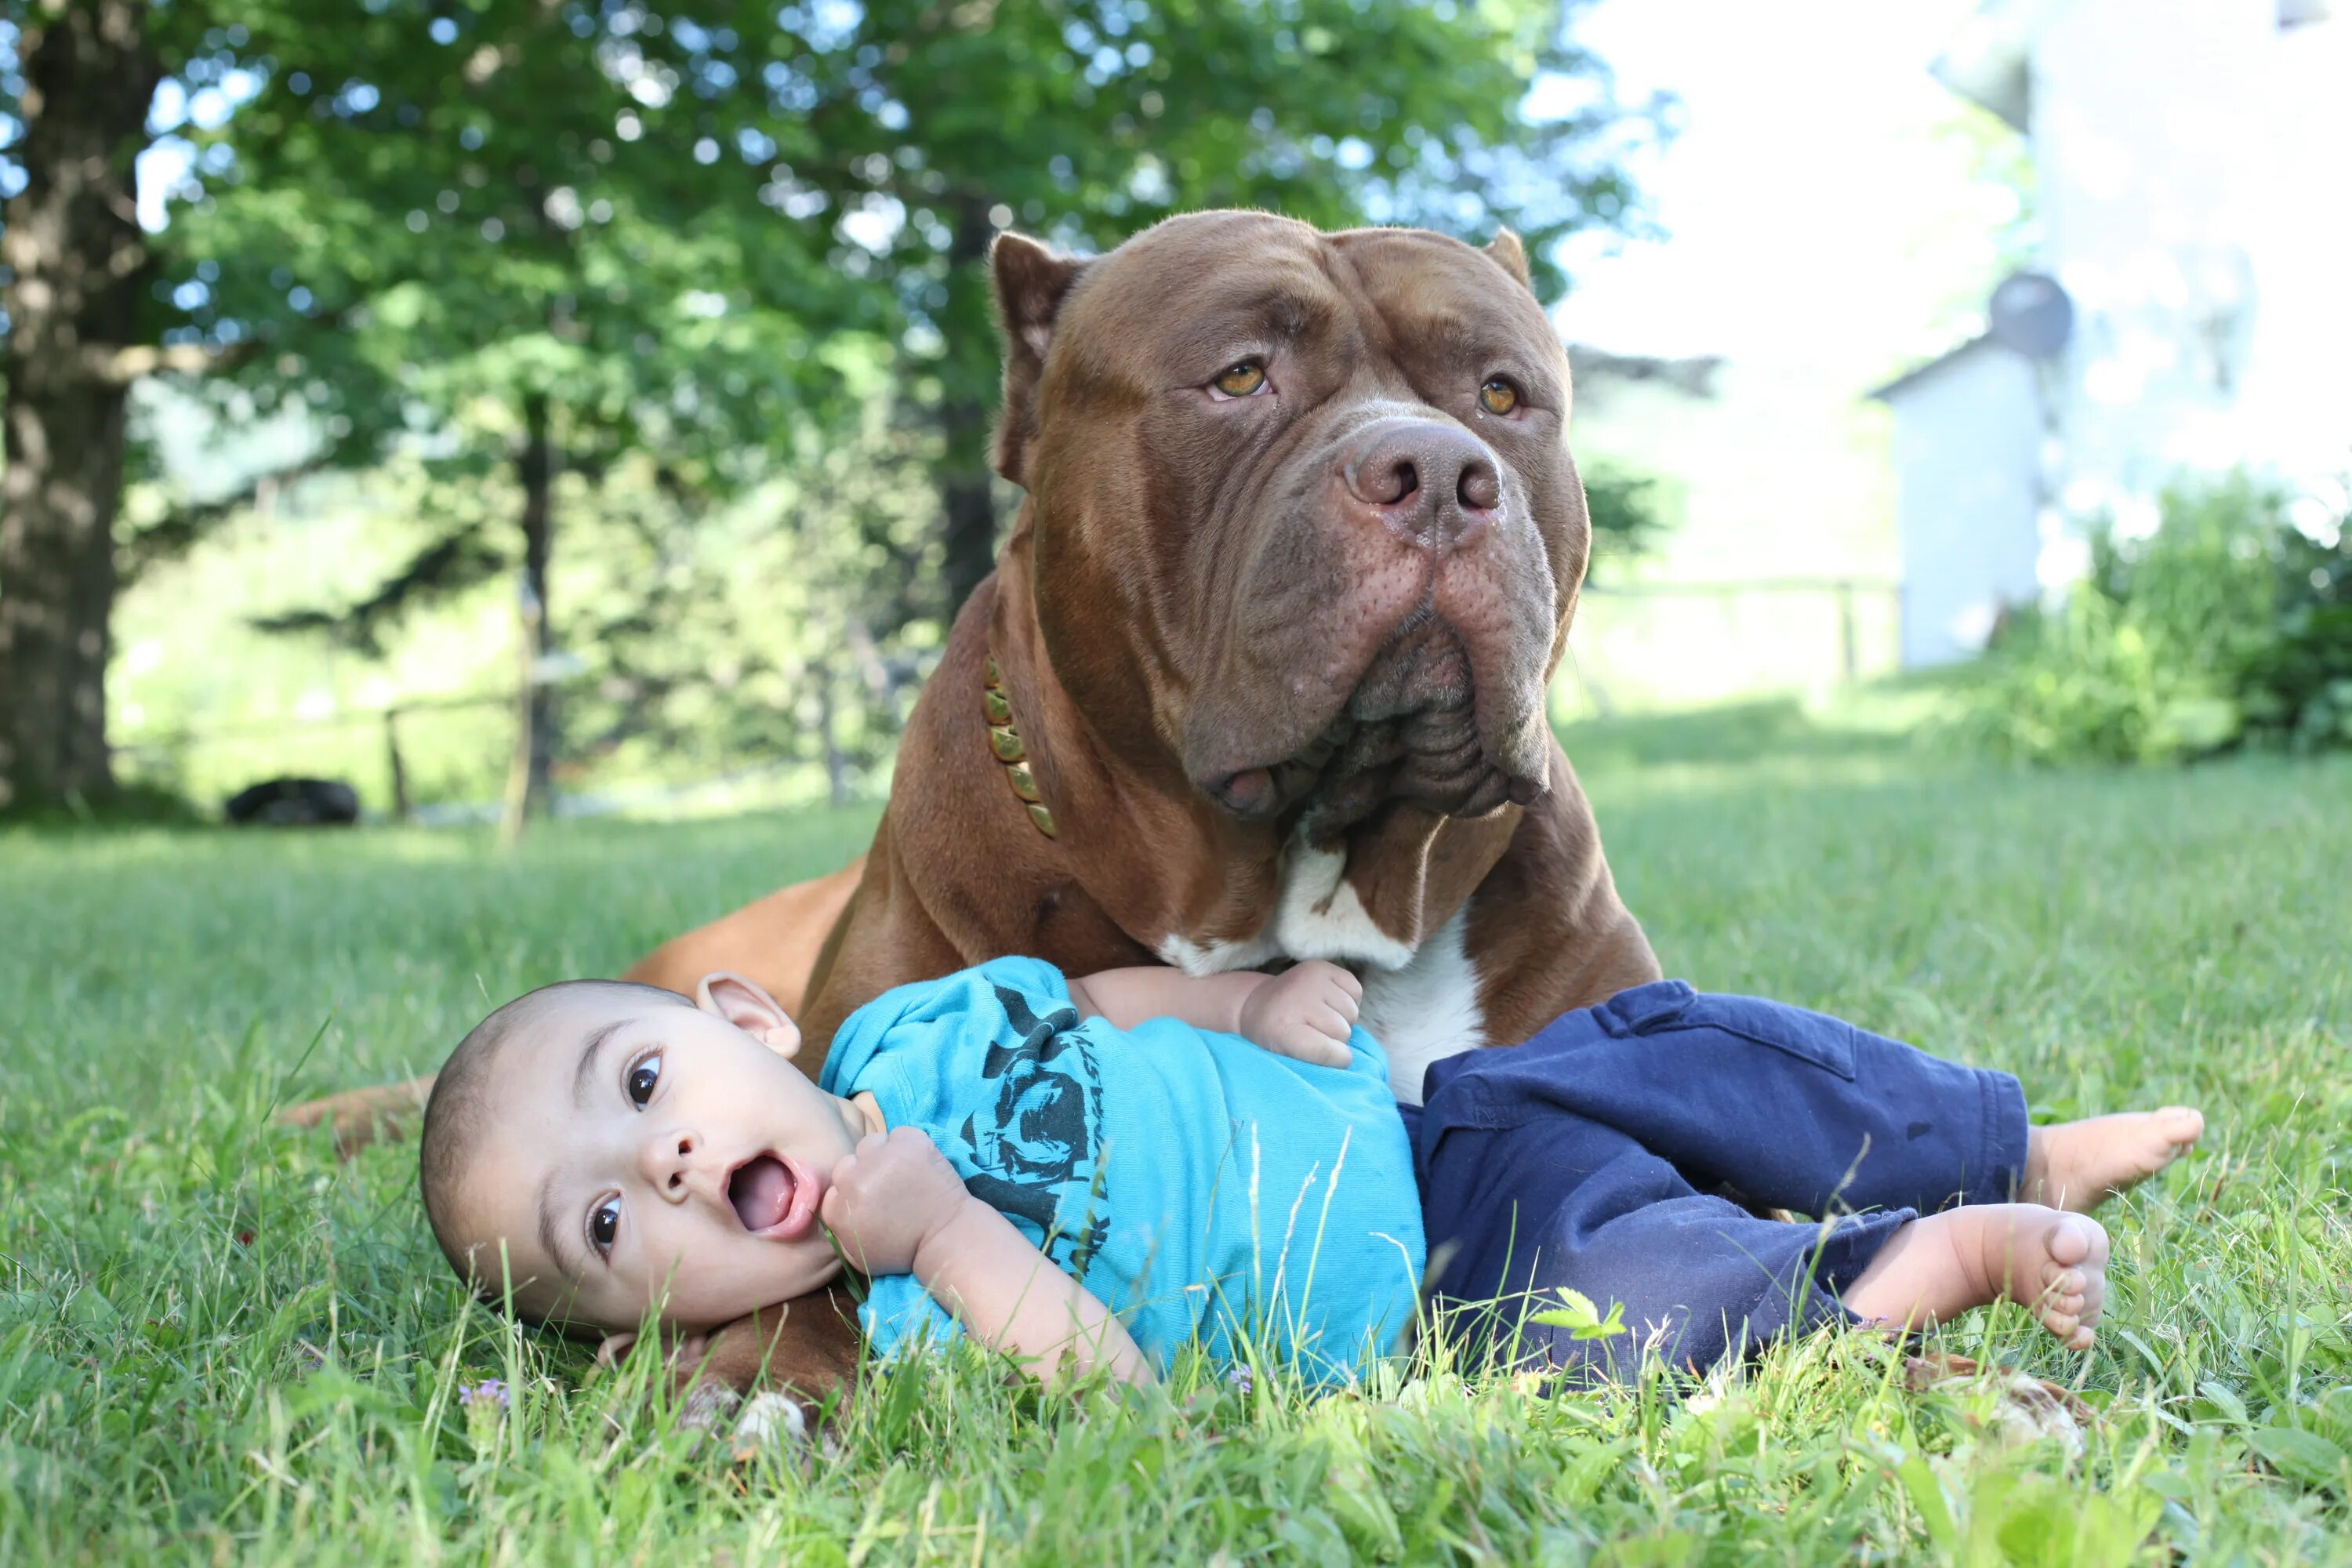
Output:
[[458, 1115]]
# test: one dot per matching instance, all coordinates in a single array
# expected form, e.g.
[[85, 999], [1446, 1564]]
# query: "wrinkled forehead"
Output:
[[1196, 287]]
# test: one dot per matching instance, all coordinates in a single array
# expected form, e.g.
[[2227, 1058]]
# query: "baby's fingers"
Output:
[[1320, 1039], [832, 1209]]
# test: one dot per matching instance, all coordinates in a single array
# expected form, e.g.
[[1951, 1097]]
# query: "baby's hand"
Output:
[[889, 1198], [1304, 1013]]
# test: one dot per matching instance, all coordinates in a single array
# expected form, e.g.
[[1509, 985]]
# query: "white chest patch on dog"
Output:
[[1215, 957], [1316, 914], [1428, 1010], [1421, 1003]]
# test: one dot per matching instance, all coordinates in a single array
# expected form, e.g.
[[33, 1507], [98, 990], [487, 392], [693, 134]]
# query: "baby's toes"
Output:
[[2076, 1241], [2181, 1126]]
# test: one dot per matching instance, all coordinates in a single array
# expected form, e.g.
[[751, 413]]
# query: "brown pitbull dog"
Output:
[[1260, 676], [1269, 646]]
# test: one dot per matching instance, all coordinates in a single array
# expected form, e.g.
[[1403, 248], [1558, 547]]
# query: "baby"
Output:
[[1092, 1172]]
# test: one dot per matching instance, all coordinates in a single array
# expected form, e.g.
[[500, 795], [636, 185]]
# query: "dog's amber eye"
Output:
[[1241, 380], [1498, 396]]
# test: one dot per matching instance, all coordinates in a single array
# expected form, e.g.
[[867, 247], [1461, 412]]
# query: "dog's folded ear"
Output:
[[1510, 256], [1031, 282]]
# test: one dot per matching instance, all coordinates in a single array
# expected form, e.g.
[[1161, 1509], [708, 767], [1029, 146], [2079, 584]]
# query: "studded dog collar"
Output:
[[1004, 741]]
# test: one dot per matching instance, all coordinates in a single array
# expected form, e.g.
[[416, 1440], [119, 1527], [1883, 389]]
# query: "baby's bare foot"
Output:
[[2050, 1261], [2079, 1166]]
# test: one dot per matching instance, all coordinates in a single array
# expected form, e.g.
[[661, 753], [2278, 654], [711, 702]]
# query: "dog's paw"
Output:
[[2025, 1410], [770, 1420], [767, 1422], [706, 1405]]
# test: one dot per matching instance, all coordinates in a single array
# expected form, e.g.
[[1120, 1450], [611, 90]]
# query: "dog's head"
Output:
[[1308, 497]]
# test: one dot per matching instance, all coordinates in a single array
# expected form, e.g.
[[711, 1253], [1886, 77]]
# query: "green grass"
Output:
[[217, 1343]]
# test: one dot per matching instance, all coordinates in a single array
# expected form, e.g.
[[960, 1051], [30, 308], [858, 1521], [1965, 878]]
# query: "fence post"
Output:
[[1849, 649], [391, 759], [520, 772]]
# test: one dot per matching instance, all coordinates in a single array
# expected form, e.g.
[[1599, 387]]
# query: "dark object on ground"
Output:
[[294, 803]]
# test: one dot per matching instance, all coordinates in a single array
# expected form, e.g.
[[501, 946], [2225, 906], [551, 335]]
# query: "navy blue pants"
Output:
[[1616, 1151]]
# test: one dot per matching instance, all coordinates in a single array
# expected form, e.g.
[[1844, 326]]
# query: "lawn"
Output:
[[217, 1343]]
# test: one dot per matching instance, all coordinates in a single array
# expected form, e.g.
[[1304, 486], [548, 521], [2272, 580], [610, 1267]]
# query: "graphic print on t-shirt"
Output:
[[1037, 1142], [1231, 1206]]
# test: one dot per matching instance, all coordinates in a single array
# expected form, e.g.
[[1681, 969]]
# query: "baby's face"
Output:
[[643, 1154]]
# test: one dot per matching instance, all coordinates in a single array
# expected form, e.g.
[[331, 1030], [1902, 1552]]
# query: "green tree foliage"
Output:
[[1629, 513], [426, 207], [469, 230], [913, 129], [846, 166], [651, 224], [527, 238], [792, 625]]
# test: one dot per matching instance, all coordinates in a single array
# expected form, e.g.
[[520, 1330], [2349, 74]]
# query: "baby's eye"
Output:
[[605, 1223], [642, 1078]]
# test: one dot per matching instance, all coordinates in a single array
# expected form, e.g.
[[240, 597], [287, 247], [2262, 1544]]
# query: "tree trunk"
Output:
[[528, 789], [837, 762], [396, 768], [967, 499], [77, 269]]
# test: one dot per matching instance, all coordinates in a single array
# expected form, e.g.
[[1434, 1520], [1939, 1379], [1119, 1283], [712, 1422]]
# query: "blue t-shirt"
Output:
[[1196, 1184]]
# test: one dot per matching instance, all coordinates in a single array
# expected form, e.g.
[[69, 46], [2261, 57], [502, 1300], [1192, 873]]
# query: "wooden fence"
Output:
[[1848, 596], [387, 719], [1849, 592]]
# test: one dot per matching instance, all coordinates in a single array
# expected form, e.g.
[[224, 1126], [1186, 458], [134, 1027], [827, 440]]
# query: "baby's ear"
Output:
[[747, 1004]]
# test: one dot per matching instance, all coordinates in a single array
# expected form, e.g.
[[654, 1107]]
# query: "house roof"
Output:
[[1910, 378], [1693, 375], [1989, 61]]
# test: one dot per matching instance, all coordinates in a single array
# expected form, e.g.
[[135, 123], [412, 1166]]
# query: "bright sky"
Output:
[[1815, 204]]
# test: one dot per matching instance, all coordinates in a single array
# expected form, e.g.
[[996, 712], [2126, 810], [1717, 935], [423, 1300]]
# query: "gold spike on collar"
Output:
[[1005, 741]]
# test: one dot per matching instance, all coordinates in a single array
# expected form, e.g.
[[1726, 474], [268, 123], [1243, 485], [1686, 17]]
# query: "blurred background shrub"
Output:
[[2228, 626]]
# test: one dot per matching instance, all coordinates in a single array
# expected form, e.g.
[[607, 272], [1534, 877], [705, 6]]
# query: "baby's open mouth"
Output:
[[771, 1196]]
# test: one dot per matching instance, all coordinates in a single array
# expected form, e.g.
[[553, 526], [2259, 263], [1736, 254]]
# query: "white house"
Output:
[[2193, 162]]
